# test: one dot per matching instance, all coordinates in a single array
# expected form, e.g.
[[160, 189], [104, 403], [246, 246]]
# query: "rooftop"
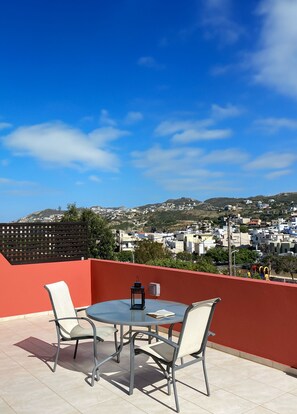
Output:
[[27, 384]]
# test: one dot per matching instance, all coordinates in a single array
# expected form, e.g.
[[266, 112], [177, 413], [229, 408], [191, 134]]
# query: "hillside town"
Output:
[[274, 233]]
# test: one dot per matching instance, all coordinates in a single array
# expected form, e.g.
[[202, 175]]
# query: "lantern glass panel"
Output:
[[137, 296]]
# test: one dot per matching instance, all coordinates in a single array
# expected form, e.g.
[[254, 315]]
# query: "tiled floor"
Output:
[[27, 384]]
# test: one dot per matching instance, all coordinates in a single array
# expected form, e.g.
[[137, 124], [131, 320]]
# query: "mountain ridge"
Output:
[[185, 207]]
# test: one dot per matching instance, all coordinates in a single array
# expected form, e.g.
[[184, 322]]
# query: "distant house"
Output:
[[254, 222]]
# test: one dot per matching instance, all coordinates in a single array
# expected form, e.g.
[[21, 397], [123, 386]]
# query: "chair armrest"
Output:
[[80, 309], [153, 335], [77, 318]]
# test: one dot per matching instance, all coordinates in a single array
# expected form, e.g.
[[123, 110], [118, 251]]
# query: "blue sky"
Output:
[[128, 102]]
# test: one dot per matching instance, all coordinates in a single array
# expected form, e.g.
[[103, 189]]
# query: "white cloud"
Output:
[[190, 131], [185, 168], [227, 156], [192, 135], [170, 127], [228, 111], [272, 125], [105, 119], [272, 161], [156, 160], [61, 145], [5, 125], [133, 117], [11, 182], [218, 23], [150, 62], [277, 174], [275, 60], [95, 179], [102, 136]]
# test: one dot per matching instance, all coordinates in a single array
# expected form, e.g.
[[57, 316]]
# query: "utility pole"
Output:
[[229, 246]]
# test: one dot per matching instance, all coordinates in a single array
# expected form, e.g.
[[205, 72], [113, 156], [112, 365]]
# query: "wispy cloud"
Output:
[[133, 117], [61, 145], [192, 135], [95, 179], [170, 127], [218, 23], [272, 161], [150, 62], [278, 174], [105, 119], [225, 156], [272, 125], [102, 136], [275, 59], [190, 131], [186, 168], [228, 111], [5, 125], [11, 182]]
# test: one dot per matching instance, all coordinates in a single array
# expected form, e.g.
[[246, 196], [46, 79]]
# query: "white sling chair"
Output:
[[67, 323], [192, 342]]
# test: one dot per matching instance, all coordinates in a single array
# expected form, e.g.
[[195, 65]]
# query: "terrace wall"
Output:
[[22, 291], [255, 316]]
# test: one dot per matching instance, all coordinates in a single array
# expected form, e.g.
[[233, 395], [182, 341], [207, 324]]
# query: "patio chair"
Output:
[[192, 343], [68, 325]]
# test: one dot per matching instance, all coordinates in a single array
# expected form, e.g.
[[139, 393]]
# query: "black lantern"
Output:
[[137, 296]]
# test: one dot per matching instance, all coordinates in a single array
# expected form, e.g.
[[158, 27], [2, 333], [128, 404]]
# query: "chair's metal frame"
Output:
[[95, 337], [169, 368]]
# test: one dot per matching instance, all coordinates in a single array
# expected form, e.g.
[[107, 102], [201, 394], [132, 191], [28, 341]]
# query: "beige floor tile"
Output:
[[45, 406], [81, 397], [260, 410], [276, 378], [5, 408], [285, 404], [254, 391], [113, 406], [224, 402]]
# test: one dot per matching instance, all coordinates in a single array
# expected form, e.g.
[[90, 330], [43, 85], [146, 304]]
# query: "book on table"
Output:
[[162, 313]]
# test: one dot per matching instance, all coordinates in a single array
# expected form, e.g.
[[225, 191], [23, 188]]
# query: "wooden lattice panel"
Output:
[[22, 243]]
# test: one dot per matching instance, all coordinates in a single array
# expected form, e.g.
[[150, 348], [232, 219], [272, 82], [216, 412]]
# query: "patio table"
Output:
[[118, 312]]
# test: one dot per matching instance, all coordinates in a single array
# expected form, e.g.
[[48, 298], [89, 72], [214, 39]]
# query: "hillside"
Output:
[[183, 212]]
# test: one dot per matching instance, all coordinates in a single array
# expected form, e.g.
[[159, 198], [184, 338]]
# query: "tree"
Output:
[[287, 264], [185, 256], [217, 255], [124, 256], [203, 265], [245, 256], [147, 250], [101, 241]]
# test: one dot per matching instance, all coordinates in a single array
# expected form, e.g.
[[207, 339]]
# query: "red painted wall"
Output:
[[22, 291], [255, 316]]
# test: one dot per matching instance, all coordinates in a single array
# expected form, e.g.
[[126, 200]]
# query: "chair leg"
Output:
[[132, 366], [57, 353], [175, 390], [205, 375], [167, 375], [75, 351]]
